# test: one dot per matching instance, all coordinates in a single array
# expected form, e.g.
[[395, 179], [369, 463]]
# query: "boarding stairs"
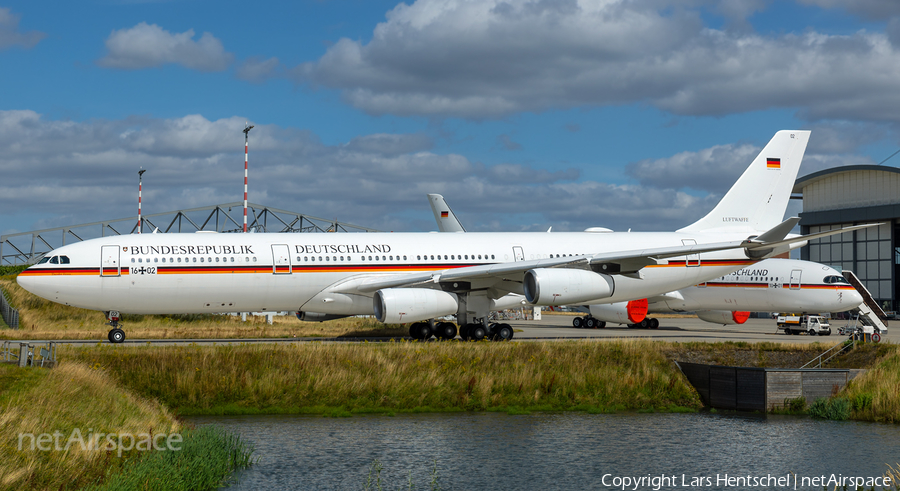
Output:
[[869, 313]]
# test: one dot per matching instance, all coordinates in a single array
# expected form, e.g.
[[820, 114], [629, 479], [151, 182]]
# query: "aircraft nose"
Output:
[[853, 298], [30, 282]]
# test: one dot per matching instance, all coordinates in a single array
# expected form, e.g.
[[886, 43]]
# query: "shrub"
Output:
[[836, 409]]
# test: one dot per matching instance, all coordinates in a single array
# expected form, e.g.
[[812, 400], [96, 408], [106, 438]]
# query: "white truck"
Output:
[[798, 323]]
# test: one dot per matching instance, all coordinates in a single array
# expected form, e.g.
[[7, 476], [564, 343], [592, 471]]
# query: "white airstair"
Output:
[[869, 313]]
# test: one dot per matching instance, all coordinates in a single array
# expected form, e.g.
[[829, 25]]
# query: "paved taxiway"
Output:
[[684, 329]]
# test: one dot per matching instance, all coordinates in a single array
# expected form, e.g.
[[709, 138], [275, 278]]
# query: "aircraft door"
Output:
[[795, 279], [518, 253], [109, 261], [692, 260], [282, 259]]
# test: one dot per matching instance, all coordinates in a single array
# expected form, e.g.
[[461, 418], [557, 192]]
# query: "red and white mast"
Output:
[[247, 128], [140, 186]]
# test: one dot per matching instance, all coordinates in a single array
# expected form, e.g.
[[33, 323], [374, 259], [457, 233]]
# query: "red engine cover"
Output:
[[740, 317], [637, 310]]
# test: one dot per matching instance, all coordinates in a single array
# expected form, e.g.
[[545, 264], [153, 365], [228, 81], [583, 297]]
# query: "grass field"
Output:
[[328, 378], [75, 405]]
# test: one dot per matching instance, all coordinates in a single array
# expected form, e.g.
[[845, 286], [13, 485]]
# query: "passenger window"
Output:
[[43, 260], [404, 258], [418, 258], [179, 259], [201, 259], [326, 258], [217, 259], [254, 258], [232, 259], [156, 260]]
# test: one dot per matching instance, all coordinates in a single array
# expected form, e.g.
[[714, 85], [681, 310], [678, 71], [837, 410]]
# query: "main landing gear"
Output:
[[468, 332], [588, 322], [647, 323], [115, 335]]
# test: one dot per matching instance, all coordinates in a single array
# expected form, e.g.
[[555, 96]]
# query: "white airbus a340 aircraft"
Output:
[[771, 285], [409, 277]]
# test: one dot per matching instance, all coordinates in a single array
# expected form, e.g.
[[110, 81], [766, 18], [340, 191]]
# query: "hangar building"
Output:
[[854, 195]]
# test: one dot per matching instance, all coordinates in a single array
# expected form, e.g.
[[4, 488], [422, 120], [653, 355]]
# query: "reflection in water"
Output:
[[551, 451]]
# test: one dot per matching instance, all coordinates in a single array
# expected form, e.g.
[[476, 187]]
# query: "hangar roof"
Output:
[[808, 179]]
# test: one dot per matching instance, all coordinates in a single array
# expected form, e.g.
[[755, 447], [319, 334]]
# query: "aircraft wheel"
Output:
[[447, 330], [591, 323], [412, 330], [654, 323], [478, 333], [645, 324], [601, 324], [422, 330], [504, 332], [578, 323], [116, 336]]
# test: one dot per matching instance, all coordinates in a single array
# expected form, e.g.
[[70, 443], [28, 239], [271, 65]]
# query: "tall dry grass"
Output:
[[875, 395], [43, 319], [73, 395], [398, 376]]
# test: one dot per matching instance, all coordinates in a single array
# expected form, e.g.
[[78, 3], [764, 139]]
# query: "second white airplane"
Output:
[[771, 285]]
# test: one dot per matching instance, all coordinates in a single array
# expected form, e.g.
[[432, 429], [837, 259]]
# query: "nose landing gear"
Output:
[[115, 334]]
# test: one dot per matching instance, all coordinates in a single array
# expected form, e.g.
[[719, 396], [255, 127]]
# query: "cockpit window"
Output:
[[63, 259], [833, 279], [44, 260], [54, 260]]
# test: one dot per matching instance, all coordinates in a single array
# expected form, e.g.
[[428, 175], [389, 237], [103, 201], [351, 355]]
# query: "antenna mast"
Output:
[[247, 128]]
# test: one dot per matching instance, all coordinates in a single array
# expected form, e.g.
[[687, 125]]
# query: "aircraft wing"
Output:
[[620, 262]]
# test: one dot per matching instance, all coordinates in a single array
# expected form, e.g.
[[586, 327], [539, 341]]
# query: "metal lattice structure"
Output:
[[29, 247]]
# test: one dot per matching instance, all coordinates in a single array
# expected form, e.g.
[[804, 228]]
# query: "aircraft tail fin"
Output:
[[758, 200], [443, 215]]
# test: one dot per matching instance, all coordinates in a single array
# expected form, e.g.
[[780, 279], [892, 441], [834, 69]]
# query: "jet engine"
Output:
[[631, 312], [559, 286], [723, 316], [399, 305]]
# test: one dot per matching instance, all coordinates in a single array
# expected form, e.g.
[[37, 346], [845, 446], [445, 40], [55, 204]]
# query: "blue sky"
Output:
[[525, 115]]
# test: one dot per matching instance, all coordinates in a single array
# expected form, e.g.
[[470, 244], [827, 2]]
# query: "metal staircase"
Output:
[[869, 312]]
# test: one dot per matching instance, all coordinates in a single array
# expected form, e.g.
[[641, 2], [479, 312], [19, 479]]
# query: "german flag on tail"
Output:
[[773, 163]]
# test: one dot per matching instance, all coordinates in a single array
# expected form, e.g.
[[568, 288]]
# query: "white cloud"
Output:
[[871, 9], [489, 59], [10, 35], [149, 46], [257, 70]]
